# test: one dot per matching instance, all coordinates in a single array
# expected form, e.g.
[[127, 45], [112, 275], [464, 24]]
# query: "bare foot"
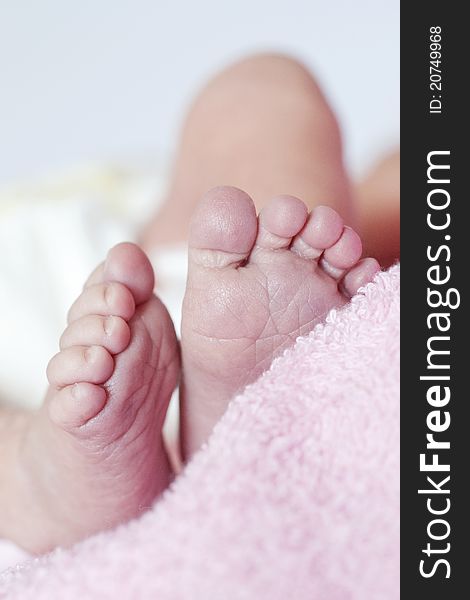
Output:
[[254, 286], [93, 456]]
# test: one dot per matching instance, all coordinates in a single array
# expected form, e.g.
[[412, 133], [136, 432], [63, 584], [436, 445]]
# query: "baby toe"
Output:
[[91, 364], [111, 332], [223, 228], [74, 405], [127, 264], [280, 221], [110, 298], [361, 274], [323, 229], [343, 254]]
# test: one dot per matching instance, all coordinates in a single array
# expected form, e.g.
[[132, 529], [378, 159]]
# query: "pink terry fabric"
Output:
[[295, 496]]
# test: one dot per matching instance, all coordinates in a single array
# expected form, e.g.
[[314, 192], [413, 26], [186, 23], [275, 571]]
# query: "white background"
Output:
[[102, 80]]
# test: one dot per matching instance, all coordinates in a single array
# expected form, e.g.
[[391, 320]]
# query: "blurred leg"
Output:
[[377, 200], [262, 125]]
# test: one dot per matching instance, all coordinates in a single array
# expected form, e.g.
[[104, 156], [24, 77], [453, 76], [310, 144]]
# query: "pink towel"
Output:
[[295, 496]]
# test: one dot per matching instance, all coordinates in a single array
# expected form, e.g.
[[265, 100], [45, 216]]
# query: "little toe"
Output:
[[223, 228], [91, 364], [111, 332], [343, 254], [280, 221], [361, 274], [74, 405], [111, 298], [126, 263], [323, 229]]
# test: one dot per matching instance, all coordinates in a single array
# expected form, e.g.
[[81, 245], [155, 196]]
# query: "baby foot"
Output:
[[93, 456], [254, 286]]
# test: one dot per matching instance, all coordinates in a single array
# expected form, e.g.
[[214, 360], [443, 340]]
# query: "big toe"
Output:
[[126, 263], [223, 228]]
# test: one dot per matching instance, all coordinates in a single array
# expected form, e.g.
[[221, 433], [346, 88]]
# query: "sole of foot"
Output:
[[93, 456], [255, 284]]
